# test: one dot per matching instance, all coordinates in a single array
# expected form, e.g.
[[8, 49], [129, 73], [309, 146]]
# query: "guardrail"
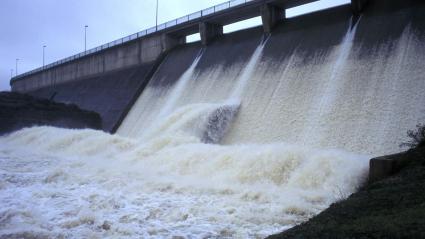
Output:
[[149, 31]]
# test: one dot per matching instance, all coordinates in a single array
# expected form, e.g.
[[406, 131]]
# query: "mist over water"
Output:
[[238, 153]]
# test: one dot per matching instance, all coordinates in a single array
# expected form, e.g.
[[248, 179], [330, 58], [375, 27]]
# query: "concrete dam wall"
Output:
[[323, 80], [107, 81], [107, 94]]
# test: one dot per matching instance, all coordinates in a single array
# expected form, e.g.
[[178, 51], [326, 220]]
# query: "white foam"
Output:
[[69, 182]]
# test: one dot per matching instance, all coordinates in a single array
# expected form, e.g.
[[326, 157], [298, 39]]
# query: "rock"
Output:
[[106, 225]]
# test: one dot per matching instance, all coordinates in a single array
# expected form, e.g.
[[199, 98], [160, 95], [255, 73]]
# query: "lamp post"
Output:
[[156, 18], [16, 67], [85, 38], [11, 73], [43, 54]]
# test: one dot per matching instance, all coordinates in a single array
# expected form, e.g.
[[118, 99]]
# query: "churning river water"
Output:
[[62, 183]]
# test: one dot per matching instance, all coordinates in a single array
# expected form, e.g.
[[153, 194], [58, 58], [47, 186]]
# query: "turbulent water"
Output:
[[78, 183], [238, 153], [171, 181]]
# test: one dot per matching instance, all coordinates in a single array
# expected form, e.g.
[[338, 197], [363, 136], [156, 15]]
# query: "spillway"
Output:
[[324, 85], [241, 139]]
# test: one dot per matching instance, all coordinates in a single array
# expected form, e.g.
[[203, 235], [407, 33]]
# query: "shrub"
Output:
[[417, 137]]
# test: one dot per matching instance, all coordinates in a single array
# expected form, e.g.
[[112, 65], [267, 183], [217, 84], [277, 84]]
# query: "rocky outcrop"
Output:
[[392, 207], [385, 166], [18, 111]]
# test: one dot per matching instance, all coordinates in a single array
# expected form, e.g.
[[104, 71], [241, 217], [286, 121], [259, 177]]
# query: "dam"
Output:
[[347, 88], [239, 135]]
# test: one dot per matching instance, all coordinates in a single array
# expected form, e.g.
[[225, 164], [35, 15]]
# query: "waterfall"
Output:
[[333, 97], [323, 105], [248, 70], [178, 90], [336, 78]]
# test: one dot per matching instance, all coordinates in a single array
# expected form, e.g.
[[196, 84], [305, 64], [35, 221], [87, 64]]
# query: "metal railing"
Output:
[[149, 31]]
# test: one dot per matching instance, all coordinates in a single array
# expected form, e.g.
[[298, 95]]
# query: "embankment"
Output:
[[18, 111], [109, 93], [390, 208]]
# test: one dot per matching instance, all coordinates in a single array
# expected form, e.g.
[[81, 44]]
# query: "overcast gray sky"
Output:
[[27, 25]]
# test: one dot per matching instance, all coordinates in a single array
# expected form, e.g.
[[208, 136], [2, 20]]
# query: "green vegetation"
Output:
[[417, 137], [390, 208]]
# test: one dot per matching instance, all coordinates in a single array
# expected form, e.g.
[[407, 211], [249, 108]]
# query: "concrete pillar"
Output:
[[385, 166], [271, 15], [168, 42], [209, 32], [357, 6]]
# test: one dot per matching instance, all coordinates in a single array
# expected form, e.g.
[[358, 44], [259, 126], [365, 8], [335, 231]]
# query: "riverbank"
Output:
[[18, 111], [390, 208]]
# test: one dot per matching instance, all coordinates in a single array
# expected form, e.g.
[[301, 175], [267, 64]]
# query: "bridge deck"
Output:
[[231, 15], [222, 14]]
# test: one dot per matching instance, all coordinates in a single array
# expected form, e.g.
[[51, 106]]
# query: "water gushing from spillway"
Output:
[[348, 95], [237, 151], [249, 69], [171, 99], [182, 84], [325, 101]]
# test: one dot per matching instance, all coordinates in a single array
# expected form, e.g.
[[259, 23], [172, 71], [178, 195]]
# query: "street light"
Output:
[[16, 67], [85, 38], [156, 21], [11, 73], [43, 54]]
